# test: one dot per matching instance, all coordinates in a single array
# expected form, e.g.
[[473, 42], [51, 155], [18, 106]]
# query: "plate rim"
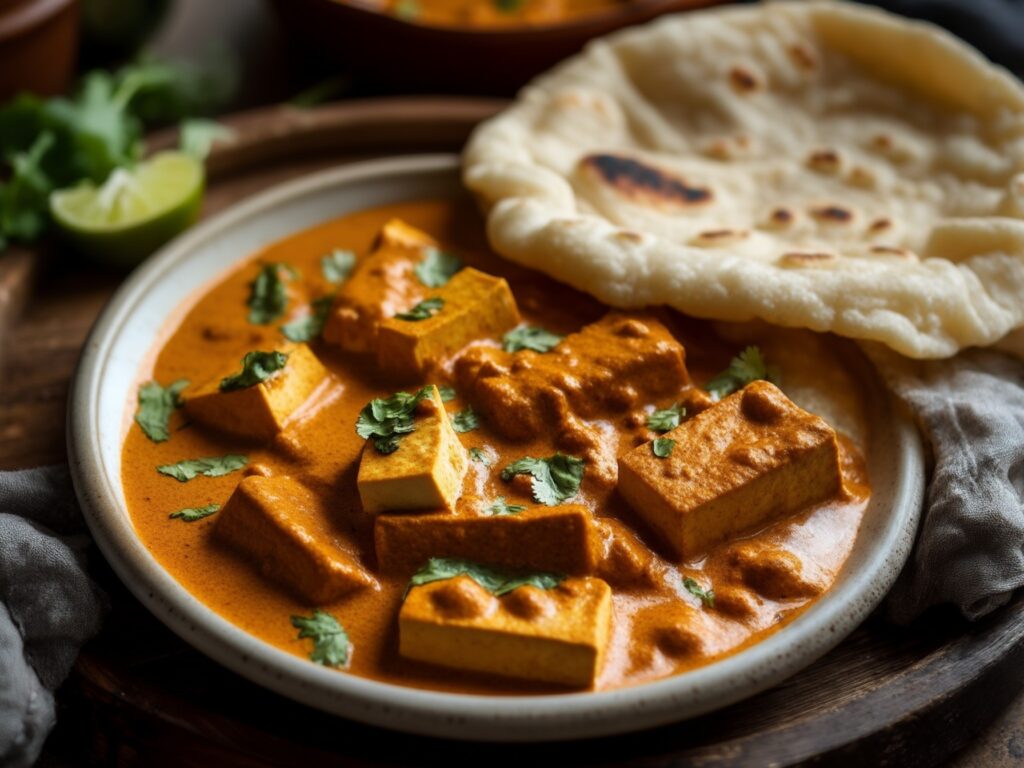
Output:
[[453, 715]]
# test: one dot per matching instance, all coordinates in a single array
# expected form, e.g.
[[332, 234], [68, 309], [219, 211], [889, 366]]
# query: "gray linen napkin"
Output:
[[48, 604]]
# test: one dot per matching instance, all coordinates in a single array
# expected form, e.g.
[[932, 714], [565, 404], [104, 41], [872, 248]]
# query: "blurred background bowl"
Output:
[[394, 53], [38, 44]]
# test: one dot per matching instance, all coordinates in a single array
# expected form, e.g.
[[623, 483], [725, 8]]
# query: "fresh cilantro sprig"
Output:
[[662, 447], [268, 296], [211, 466], [337, 265], [385, 420], [479, 455], [331, 646], [501, 507], [530, 337], [555, 479], [437, 267], [257, 367], [447, 393], [749, 365], [310, 326], [497, 581], [666, 419], [156, 403], [465, 421], [425, 310], [706, 596], [191, 514]]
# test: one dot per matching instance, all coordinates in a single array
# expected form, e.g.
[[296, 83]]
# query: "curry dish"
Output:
[[489, 13], [378, 446]]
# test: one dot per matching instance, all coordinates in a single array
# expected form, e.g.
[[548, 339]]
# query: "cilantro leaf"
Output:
[[749, 365], [268, 297], [407, 10], [386, 420], [331, 646], [497, 581], [666, 419], [465, 421], [706, 596], [437, 267], [508, 6], [197, 137], [555, 479], [447, 393], [155, 406], [422, 311], [191, 514], [257, 367], [337, 265], [480, 456], [663, 447], [310, 326], [212, 466], [530, 337], [24, 212], [502, 507]]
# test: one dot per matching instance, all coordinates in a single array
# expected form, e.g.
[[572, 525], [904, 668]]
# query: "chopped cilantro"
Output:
[[706, 596], [407, 10], [508, 6], [479, 455], [310, 326], [502, 507], [465, 421], [268, 297], [747, 366], [257, 367], [212, 466], [422, 311], [530, 337], [197, 136], [447, 393], [155, 406], [497, 581], [437, 267], [666, 419], [191, 514], [662, 447], [331, 646], [386, 420], [337, 265], [555, 479]]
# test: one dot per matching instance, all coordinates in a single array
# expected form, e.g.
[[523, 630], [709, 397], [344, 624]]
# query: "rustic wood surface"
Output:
[[140, 696]]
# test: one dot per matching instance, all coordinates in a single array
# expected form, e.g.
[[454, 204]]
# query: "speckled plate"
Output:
[[100, 412]]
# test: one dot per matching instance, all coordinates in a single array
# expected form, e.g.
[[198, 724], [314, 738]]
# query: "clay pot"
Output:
[[38, 45]]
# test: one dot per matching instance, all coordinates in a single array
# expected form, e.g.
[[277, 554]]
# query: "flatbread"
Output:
[[813, 164]]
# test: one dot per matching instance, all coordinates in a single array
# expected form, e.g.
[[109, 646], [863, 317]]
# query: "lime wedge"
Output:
[[134, 212]]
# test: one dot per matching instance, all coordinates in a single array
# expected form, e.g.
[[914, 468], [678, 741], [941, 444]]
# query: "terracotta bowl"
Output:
[[418, 57], [38, 45]]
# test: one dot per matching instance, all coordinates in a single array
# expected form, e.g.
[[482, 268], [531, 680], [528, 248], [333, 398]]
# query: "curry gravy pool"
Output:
[[677, 601]]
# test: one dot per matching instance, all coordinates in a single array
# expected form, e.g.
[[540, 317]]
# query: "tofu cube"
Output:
[[286, 533], [553, 636], [382, 283], [424, 473], [560, 539], [476, 306], [263, 410], [747, 461]]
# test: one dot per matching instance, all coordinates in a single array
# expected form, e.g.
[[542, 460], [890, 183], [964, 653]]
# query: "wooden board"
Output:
[[141, 696]]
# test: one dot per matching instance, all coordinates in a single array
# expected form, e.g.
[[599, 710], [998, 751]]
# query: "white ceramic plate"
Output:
[[101, 403]]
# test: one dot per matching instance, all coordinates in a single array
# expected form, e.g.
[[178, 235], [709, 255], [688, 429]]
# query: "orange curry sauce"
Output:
[[761, 581], [489, 13]]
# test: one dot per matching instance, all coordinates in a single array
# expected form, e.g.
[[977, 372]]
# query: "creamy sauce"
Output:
[[798, 558]]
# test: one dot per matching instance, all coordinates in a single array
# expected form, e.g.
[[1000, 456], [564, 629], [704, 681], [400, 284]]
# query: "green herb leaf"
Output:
[[422, 311], [407, 10], [662, 447], [465, 421], [530, 337], [749, 365], [257, 367], [212, 466], [437, 267], [555, 479], [310, 326], [497, 581], [479, 456], [706, 596], [386, 420], [268, 297], [667, 419], [501, 507], [337, 265], [508, 6], [197, 136], [331, 646], [155, 406], [191, 514], [447, 393], [23, 199]]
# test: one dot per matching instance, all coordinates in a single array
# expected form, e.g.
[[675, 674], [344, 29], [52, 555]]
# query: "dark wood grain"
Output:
[[141, 696]]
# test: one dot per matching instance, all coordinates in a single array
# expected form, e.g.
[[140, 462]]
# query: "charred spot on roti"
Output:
[[832, 214], [891, 250], [825, 161], [805, 259], [861, 177], [718, 237], [629, 236], [779, 218], [728, 148], [633, 178], [880, 225], [802, 56], [743, 80]]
